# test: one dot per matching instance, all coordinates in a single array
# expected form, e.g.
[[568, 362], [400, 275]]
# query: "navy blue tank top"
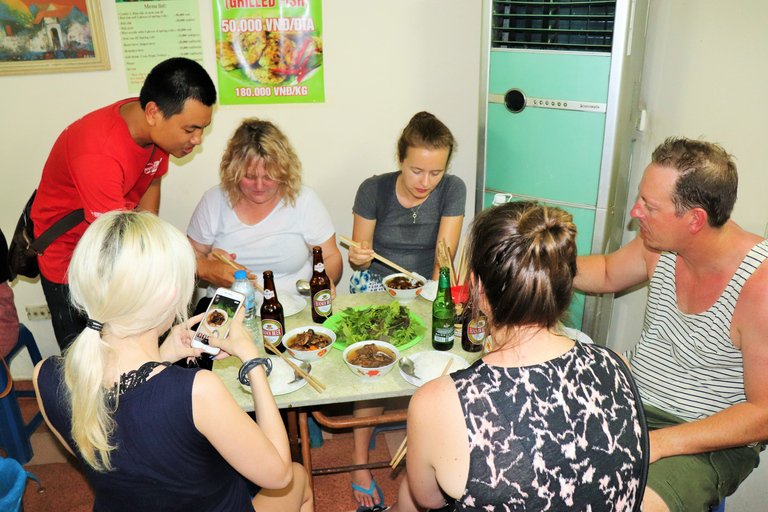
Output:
[[162, 462]]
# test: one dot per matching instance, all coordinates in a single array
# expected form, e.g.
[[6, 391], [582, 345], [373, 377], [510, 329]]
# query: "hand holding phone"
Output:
[[215, 324]]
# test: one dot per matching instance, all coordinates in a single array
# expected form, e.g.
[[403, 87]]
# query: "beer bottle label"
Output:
[[320, 267], [322, 302], [444, 333], [476, 330], [271, 331], [268, 294]]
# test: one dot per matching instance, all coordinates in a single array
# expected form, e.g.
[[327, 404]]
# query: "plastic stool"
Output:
[[13, 480], [14, 434], [393, 426]]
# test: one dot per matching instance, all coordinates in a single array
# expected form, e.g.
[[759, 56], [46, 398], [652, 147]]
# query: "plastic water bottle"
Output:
[[244, 286]]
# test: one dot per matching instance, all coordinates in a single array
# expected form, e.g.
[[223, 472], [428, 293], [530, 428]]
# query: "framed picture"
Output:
[[59, 37]]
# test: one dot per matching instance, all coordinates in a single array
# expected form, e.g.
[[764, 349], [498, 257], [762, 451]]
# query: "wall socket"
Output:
[[38, 312]]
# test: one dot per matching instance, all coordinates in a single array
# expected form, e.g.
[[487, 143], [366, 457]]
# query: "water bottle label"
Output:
[[320, 267], [271, 331], [322, 302], [268, 294]]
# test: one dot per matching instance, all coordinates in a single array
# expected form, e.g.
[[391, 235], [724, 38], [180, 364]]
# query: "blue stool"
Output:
[[14, 434], [393, 426]]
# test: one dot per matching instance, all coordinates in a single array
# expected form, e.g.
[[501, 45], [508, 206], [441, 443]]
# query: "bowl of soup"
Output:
[[371, 360], [310, 343], [403, 287]]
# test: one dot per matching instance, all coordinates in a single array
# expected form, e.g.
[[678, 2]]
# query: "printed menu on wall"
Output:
[[154, 30], [269, 51]]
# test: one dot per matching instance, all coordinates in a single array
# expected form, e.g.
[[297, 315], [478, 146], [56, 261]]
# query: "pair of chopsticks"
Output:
[[319, 386], [232, 264], [382, 259], [400, 453], [444, 258]]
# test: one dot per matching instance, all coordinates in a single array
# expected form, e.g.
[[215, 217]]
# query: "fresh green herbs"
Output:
[[390, 323]]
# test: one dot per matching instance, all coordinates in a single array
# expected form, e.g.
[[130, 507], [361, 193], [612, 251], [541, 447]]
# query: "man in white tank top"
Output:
[[702, 361]]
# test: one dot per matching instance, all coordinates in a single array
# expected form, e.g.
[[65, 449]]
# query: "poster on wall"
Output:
[[37, 37], [269, 51], [154, 30]]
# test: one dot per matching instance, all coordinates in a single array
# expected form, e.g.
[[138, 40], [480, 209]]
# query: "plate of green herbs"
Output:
[[391, 322]]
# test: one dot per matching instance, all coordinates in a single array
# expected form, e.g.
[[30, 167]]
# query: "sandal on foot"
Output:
[[375, 508], [369, 492]]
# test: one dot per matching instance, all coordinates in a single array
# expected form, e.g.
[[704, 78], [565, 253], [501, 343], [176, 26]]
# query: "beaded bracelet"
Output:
[[249, 365]]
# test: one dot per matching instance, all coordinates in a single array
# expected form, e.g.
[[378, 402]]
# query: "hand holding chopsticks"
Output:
[[319, 386], [382, 259], [400, 453], [232, 264]]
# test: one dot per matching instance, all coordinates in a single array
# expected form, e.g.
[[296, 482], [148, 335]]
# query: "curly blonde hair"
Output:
[[253, 140]]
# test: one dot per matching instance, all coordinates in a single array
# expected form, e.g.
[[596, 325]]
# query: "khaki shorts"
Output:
[[692, 483]]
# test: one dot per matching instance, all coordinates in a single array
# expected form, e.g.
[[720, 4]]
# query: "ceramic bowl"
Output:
[[371, 374], [404, 296], [309, 355]]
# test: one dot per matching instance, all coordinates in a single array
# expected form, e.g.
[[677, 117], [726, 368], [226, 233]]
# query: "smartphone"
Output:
[[222, 310]]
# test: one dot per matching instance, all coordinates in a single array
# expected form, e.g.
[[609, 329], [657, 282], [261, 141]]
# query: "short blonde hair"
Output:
[[255, 139], [133, 272]]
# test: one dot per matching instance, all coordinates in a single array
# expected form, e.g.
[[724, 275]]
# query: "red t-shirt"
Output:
[[96, 165]]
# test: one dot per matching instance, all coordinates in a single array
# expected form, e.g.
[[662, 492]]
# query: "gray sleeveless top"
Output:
[[686, 364]]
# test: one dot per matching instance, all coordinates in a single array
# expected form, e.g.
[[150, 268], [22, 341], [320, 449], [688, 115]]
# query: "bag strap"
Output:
[[61, 226]]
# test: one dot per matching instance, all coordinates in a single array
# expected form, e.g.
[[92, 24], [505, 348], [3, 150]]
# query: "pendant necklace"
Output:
[[415, 213]]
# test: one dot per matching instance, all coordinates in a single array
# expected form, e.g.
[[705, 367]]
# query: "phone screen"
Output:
[[217, 319]]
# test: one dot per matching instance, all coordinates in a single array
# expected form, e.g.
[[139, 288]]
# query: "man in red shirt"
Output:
[[113, 159]]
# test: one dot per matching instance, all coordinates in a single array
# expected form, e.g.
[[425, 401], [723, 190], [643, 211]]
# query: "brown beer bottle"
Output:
[[473, 331], [320, 288], [272, 319]]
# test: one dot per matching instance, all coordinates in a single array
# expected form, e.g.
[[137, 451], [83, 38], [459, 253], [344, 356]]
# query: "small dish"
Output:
[[309, 355], [407, 295], [367, 373], [292, 303], [280, 380], [437, 366]]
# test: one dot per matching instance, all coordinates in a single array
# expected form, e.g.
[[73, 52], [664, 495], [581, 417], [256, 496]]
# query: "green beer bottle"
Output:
[[443, 311]]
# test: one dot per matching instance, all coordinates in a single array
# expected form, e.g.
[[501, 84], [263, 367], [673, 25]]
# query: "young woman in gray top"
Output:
[[402, 215]]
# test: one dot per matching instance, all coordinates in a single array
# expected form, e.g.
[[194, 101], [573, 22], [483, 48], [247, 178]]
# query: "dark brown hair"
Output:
[[524, 255], [707, 177], [425, 131]]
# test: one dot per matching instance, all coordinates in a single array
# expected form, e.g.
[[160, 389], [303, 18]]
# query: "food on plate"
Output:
[[216, 318], [371, 356], [309, 340], [403, 283], [390, 323]]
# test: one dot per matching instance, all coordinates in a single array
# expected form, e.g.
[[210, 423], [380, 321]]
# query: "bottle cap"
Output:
[[241, 274]]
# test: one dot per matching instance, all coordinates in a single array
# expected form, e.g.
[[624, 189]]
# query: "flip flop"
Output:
[[369, 492]]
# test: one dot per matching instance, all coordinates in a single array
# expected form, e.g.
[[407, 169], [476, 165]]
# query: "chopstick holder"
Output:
[[232, 264], [319, 386], [400, 453], [382, 259]]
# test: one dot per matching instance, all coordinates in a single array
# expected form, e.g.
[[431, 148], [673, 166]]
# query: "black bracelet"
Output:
[[242, 375]]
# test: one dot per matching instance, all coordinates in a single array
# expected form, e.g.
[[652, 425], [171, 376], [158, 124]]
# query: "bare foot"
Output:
[[363, 478]]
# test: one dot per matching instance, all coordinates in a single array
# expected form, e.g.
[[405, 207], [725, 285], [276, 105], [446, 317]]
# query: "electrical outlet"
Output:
[[38, 312]]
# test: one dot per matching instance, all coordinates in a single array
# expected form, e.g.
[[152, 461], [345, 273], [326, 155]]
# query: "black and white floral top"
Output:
[[567, 434]]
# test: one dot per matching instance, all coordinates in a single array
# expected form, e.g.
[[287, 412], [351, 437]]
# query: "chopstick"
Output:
[[461, 270], [400, 453], [232, 264], [381, 259], [319, 386], [445, 260]]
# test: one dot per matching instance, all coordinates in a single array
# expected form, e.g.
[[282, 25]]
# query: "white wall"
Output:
[[384, 61], [704, 75]]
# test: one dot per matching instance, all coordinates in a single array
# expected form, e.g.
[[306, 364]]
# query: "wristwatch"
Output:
[[249, 365]]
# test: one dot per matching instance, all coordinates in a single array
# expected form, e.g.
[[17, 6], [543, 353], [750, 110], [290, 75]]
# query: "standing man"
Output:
[[113, 159], [702, 360]]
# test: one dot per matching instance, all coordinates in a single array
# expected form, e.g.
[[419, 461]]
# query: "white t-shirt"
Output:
[[280, 242]]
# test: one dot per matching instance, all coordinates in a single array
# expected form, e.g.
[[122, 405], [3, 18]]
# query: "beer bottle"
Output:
[[320, 288], [443, 312], [272, 319], [473, 332]]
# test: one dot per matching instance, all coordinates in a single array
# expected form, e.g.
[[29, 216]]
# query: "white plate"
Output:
[[458, 364], [292, 304], [281, 377]]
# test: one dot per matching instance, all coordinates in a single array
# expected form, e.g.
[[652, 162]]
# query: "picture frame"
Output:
[[67, 37]]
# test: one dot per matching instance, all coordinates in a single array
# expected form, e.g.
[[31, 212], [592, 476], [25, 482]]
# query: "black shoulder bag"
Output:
[[24, 249]]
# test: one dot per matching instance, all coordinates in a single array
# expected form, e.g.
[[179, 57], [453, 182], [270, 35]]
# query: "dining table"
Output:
[[342, 386]]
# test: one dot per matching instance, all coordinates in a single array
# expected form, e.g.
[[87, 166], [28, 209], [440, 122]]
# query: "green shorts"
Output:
[[693, 483]]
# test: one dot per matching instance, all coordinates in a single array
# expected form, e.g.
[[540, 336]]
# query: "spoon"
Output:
[[408, 367], [302, 286], [304, 366]]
